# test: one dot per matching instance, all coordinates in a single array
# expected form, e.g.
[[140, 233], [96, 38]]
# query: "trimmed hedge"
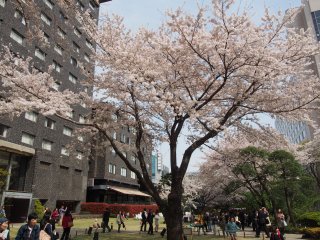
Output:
[[310, 219], [313, 233], [99, 208]]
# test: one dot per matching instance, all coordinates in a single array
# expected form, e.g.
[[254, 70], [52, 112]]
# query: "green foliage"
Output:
[[38, 208], [310, 219], [313, 233]]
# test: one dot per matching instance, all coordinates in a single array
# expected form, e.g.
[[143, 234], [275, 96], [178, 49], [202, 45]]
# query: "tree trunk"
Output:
[[289, 206], [173, 216]]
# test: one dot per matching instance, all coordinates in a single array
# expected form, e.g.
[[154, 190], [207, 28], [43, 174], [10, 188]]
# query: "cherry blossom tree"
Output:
[[196, 75]]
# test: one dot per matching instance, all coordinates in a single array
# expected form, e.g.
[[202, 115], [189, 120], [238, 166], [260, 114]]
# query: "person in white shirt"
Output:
[[4, 231]]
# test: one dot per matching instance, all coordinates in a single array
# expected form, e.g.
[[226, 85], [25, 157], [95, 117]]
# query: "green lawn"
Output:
[[144, 236], [131, 224]]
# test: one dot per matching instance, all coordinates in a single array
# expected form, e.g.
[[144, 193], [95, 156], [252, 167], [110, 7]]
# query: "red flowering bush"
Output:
[[99, 208]]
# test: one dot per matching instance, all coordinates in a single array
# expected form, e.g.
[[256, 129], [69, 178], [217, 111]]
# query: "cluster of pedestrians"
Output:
[[147, 218], [45, 231], [235, 220]]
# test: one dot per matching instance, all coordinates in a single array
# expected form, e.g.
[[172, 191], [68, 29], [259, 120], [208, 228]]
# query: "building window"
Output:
[[27, 138], [123, 172], [82, 119], [76, 47], [133, 175], [112, 168], [80, 138], [86, 57], [65, 151], [63, 17], [122, 138], [32, 116], [3, 130], [49, 123], [40, 54], [58, 49], [114, 135], [80, 5], [70, 114], [79, 155], [67, 131], [46, 37], [47, 145], [48, 3], [113, 152], [72, 78], [74, 62], [89, 44], [77, 32], [57, 66], [18, 14], [61, 33], [45, 19], [17, 36], [91, 5], [316, 22], [2, 3], [56, 86]]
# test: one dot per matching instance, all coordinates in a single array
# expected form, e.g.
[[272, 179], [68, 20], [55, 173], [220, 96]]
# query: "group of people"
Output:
[[45, 231], [233, 221], [147, 217]]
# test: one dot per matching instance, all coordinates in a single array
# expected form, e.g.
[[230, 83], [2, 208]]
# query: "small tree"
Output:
[[38, 208]]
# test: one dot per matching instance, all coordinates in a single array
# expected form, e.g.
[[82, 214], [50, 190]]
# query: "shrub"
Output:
[[311, 232], [38, 208], [310, 219], [99, 208]]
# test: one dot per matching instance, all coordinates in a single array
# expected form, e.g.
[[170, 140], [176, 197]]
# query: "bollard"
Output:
[[96, 236], [111, 227], [244, 234]]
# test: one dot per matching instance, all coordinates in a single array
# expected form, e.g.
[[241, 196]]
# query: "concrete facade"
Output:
[[50, 175]]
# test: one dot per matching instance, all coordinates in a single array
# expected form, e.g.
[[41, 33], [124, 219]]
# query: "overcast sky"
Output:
[[151, 13]]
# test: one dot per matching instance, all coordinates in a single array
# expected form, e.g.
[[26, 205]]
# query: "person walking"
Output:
[[4, 231], [46, 226], [144, 220], [156, 221], [281, 222], [263, 221], [29, 231], [150, 222], [62, 212], [120, 220], [105, 220], [67, 224], [232, 228]]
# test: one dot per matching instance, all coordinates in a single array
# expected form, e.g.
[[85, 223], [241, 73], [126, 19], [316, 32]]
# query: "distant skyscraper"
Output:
[[307, 18]]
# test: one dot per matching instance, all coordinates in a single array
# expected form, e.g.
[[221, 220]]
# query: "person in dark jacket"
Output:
[[105, 220], [46, 225], [67, 223], [29, 231], [144, 220], [150, 221], [262, 222]]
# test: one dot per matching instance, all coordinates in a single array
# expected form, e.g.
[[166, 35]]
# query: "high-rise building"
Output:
[[158, 168], [109, 179], [307, 18], [33, 147]]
